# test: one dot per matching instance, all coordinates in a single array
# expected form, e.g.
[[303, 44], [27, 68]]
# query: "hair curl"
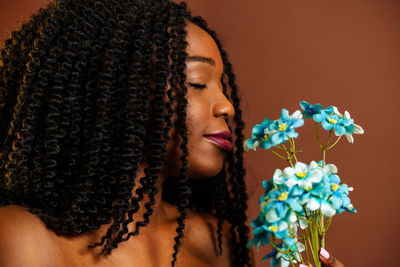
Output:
[[81, 83]]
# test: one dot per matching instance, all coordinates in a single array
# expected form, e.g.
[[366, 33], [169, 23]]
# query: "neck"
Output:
[[159, 208], [162, 212]]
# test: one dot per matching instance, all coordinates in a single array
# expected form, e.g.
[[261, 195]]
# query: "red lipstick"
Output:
[[221, 139]]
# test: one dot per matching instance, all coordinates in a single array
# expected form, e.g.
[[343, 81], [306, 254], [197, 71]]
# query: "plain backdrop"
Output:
[[343, 53]]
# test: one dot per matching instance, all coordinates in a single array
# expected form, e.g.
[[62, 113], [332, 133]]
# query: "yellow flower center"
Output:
[[332, 121], [308, 188], [282, 127], [301, 175], [273, 228], [283, 196], [265, 137], [335, 187]]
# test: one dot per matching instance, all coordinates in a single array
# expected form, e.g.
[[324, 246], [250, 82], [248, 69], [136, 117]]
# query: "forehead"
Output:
[[200, 43]]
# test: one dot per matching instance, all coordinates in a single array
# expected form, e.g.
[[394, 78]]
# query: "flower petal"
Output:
[[358, 129], [292, 218], [330, 168], [277, 139], [291, 182], [289, 172], [294, 204], [350, 138], [296, 115], [281, 209], [315, 176], [327, 209], [295, 123], [319, 117], [304, 105], [300, 166], [312, 204], [272, 216], [327, 126], [284, 115], [339, 130]]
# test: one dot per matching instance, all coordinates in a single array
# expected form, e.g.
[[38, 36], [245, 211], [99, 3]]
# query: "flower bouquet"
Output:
[[300, 200]]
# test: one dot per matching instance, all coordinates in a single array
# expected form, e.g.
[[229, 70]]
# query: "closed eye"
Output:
[[197, 85]]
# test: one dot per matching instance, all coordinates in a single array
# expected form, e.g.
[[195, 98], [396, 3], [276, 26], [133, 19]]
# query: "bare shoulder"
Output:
[[24, 239], [18, 216]]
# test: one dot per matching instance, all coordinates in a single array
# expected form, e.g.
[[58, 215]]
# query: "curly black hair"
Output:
[[83, 101]]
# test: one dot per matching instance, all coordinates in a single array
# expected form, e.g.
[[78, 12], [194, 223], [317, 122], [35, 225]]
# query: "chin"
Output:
[[204, 169]]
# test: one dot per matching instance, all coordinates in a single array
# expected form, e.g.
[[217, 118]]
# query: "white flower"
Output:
[[302, 175]]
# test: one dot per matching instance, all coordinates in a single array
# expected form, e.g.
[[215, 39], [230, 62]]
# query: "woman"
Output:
[[116, 118], [108, 108]]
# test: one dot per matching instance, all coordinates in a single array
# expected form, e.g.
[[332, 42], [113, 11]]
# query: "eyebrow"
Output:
[[201, 59]]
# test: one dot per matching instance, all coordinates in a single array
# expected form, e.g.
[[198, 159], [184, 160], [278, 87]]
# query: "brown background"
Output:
[[344, 53]]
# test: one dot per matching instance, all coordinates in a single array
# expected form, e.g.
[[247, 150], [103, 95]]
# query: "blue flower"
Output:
[[279, 203], [331, 110], [272, 133], [261, 233], [339, 195], [263, 230], [310, 110], [274, 261], [258, 135], [281, 259], [280, 229], [331, 120], [268, 186], [352, 128], [322, 195], [283, 128]]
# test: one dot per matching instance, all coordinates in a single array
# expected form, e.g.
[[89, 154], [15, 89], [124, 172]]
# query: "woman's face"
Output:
[[208, 108]]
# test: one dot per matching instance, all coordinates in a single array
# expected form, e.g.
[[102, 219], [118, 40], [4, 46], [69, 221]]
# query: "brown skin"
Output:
[[26, 241], [331, 261]]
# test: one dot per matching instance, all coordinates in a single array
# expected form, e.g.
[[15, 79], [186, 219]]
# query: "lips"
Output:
[[221, 139]]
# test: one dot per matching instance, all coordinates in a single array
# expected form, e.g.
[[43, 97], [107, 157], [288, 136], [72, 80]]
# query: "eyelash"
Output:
[[197, 85]]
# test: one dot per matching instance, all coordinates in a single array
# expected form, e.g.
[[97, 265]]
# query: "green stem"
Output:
[[286, 150], [293, 147], [328, 223], [278, 249], [310, 242], [322, 229], [337, 140], [301, 258], [315, 238], [316, 134], [290, 259], [324, 148], [323, 157], [279, 155], [289, 158], [306, 248], [329, 137], [295, 158], [288, 253]]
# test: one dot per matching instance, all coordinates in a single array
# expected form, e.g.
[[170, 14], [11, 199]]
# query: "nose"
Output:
[[223, 108]]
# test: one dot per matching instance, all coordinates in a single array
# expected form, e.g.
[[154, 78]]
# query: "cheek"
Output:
[[204, 158], [204, 162]]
